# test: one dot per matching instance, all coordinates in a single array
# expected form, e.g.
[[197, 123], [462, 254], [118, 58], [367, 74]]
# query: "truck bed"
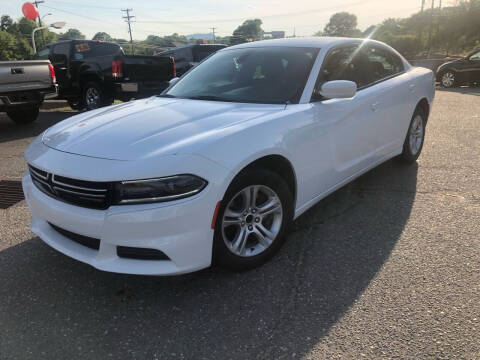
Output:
[[24, 75]]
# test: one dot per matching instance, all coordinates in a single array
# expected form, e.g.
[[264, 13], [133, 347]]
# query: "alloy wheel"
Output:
[[448, 79], [416, 135], [92, 98], [252, 220]]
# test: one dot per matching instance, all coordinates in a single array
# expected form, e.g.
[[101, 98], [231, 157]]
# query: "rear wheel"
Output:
[[252, 220], [94, 96], [24, 115], [413, 145], [448, 79]]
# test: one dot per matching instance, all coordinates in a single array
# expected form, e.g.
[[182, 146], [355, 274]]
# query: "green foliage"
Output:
[[342, 24], [6, 23], [7, 46], [102, 36], [250, 30], [71, 34]]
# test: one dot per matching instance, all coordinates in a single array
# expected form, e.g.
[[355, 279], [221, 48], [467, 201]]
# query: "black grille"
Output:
[[89, 194], [89, 242], [140, 253]]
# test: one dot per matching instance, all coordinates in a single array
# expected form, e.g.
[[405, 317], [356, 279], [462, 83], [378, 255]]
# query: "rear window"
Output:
[[43, 54], [87, 49]]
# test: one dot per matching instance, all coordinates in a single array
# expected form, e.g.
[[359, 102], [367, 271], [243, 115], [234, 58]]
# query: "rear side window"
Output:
[[202, 52], [88, 49], [60, 53], [383, 63], [475, 57]]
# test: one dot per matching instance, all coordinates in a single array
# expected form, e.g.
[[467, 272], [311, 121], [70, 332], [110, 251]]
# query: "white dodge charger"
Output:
[[215, 168]]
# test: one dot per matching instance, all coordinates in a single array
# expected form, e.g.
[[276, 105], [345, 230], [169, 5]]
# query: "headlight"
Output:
[[158, 190]]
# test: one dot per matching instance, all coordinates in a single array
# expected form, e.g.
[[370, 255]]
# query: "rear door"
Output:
[[60, 58], [474, 61], [395, 91]]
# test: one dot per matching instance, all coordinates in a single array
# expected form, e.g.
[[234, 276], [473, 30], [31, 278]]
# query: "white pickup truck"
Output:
[[24, 85]]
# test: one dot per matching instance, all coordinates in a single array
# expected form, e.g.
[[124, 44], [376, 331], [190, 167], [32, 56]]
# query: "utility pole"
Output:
[[431, 28], [423, 5], [127, 20], [36, 2], [213, 32]]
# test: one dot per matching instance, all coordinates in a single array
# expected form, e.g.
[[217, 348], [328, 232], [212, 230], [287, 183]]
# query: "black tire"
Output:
[[75, 104], [222, 254], [25, 115], [452, 75], [94, 96], [408, 155]]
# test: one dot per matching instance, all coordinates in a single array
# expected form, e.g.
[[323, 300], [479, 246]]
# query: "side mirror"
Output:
[[338, 89], [173, 81]]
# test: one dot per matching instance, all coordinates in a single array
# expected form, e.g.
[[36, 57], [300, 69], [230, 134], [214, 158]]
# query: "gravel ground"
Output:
[[387, 267]]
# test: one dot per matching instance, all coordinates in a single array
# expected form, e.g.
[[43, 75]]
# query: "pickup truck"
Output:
[[91, 73], [24, 85]]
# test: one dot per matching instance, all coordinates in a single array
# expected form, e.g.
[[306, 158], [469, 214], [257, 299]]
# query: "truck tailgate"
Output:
[[24, 75], [148, 68]]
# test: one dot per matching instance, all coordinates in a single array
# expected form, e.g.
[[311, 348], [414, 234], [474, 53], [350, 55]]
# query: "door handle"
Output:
[[412, 87], [375, 106]]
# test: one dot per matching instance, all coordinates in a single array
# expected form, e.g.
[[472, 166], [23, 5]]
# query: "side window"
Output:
[[345, 63], [475, 57], [60, 53], [43, 54], [382, 62], [182, 55]]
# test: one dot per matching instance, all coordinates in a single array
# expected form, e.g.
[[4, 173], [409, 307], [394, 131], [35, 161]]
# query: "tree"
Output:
[[6, 23], [250, 30], [7, 46], [71, 34], [342, 24], [102, 36]]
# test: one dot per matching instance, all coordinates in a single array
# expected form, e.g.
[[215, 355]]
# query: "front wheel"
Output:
[[413, 145], [252, 220], [24, 115]]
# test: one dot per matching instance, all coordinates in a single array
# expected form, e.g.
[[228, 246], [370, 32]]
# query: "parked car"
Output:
[[24, 85], [464, 71], [189, 56], [218, 166], [93, 73]]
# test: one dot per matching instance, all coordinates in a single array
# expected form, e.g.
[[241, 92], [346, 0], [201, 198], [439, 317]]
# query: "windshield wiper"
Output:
[[208, 97]]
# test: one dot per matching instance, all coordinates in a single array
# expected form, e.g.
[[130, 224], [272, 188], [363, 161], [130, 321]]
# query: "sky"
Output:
[[199, 16]]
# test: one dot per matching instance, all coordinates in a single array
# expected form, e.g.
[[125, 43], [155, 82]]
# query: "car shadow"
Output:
[[462, 90], [10, 131], [54, 307]]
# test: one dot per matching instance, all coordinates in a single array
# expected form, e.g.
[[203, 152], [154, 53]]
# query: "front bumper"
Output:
[[179, 229]]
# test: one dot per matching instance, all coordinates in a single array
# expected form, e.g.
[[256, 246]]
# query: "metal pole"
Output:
[[431, 28], [39, 19], [33, 37], [213, 31], [127, 19]]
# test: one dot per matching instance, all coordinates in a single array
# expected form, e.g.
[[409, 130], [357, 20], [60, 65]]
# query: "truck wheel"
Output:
[[94, 96], [24, 115]]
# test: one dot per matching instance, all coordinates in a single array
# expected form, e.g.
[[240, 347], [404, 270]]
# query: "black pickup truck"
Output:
[[91, 74]]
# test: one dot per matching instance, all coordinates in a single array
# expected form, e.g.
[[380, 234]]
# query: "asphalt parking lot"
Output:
[[387, 267]]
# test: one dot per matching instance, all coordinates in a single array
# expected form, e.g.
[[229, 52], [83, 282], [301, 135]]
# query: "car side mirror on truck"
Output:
[[338, 89]]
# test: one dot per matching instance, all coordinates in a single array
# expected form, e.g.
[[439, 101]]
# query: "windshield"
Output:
[[269, 75]]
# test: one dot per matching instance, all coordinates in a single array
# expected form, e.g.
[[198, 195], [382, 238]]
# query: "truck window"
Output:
[[201, 52], [60, 53], [43, 54], [87, 49]]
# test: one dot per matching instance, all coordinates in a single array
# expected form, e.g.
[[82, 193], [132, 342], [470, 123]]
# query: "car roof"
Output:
[[313, 42]]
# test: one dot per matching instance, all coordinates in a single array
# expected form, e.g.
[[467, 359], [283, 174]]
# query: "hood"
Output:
[[144, 128]]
